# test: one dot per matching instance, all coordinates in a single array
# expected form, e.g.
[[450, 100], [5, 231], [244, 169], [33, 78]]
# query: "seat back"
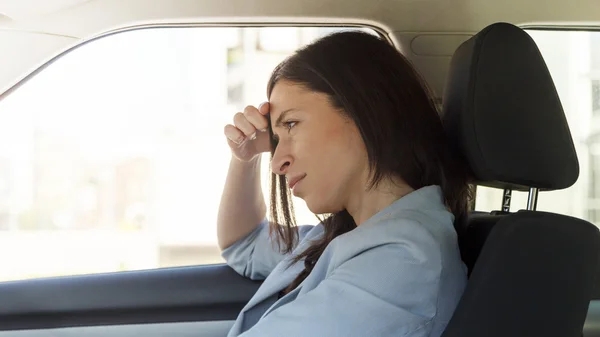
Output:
[[531, 273], [475, 231]]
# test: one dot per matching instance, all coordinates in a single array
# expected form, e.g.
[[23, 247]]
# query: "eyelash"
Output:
[[288, 126]]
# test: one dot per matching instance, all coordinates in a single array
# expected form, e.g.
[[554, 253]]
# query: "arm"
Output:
[[256, 255], [389, 290], [242, 206], [243, 234]]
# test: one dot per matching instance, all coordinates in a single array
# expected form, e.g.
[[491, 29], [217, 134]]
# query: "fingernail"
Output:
[[253, 136], [261, 104], [239, 140], [264, 130]]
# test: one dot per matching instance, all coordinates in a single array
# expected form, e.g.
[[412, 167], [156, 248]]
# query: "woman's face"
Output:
[[320, 151]]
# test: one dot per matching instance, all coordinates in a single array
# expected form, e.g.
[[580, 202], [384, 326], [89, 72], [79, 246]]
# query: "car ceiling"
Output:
[[427, 31]]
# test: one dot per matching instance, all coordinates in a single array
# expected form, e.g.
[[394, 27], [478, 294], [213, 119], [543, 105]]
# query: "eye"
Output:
[[289, 125]]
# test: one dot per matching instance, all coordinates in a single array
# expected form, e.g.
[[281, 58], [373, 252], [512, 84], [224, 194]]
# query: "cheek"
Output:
[[336, 160], [332, 147], [344, 148], [318, 155], [335, 165]]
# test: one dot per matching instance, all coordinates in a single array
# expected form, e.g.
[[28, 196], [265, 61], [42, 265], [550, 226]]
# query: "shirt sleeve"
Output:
[[256, 255], [389, 290]]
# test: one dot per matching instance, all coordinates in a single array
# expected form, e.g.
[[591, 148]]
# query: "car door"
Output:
[[112, 161], [187, 301]]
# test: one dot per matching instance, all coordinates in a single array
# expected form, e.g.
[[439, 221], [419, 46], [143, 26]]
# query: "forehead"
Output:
[[287, 95]]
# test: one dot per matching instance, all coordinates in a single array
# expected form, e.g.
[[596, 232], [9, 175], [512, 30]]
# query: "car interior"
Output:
[[533, 271], [495, 87]]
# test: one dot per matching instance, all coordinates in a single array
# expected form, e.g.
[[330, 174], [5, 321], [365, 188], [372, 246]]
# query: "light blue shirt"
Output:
[[397, 274]]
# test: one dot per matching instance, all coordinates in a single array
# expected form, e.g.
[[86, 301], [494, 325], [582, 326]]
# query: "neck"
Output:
[[362, 206]]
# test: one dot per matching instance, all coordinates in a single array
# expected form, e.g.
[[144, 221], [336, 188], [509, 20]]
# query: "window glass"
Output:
[[113, 157]]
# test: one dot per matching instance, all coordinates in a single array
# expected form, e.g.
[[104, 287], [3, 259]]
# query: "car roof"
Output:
[[427, 31]]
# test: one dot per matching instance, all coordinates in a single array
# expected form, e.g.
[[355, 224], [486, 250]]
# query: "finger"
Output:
[[264, 108], [234, 134], [253, 115], [241, 122]]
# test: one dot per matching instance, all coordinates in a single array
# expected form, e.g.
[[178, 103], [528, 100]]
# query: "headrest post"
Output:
[[532, 199], [506, 196]]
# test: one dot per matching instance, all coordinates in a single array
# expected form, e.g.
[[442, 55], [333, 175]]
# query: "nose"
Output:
[[282, 159]]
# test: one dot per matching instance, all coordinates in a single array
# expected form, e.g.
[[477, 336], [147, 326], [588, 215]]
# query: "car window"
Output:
[[113, 157], [573, 58]]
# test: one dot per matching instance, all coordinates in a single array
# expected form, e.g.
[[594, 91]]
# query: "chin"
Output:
[[313, 206], [320, 207]]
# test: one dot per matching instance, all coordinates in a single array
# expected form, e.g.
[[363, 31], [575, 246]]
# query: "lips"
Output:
[[293, 181]]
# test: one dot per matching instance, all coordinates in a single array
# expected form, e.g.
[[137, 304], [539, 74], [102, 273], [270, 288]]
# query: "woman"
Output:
[[354, 133]]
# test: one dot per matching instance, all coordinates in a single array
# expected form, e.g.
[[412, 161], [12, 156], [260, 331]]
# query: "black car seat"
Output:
[[531, 273]]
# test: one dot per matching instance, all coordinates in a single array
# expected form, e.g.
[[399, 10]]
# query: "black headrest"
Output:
[[501, 109]]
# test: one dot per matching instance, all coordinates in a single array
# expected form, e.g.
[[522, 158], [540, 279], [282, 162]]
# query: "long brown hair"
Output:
[[379, 90]]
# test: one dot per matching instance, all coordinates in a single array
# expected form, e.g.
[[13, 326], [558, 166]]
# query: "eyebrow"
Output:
[[282, 116]]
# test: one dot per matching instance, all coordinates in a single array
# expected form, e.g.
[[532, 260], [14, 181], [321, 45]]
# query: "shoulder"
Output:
[[310, 231], [411, 251], [400, 260], [412, 234]]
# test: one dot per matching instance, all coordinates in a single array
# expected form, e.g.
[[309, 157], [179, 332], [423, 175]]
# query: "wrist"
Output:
[[255, 161]]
